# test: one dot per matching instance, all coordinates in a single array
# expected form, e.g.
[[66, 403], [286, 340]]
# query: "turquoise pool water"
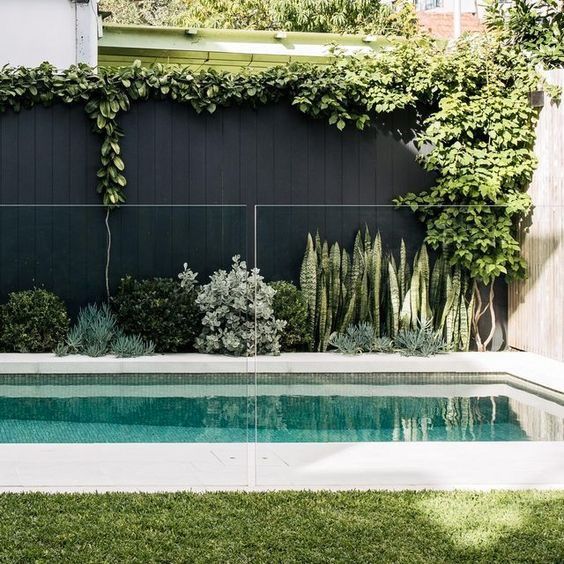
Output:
[[272, 408]]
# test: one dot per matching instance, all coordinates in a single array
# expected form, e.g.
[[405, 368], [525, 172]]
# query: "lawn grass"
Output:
[[427, 527]]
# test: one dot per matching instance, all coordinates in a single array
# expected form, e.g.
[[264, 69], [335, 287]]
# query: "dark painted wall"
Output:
[[279, 160], [181, 167]]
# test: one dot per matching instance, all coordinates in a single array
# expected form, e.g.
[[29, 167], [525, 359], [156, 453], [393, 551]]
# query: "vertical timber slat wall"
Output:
[[174, 157], [536, 305], [275, 156]]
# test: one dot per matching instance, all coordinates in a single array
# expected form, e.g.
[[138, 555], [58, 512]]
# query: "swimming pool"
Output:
[[276, 408]]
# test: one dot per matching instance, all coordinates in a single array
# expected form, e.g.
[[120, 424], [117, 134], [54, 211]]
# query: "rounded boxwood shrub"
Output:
[[159, 310], [32, 321], [289, 304]]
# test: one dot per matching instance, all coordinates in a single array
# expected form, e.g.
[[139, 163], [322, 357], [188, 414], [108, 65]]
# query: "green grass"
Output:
[[427, 527]]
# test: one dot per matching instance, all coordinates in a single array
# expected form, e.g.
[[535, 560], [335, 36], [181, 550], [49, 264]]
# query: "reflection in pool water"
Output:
[[79, 409]]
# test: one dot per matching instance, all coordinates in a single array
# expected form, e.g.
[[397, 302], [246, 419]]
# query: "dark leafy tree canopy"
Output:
[[534, 26]]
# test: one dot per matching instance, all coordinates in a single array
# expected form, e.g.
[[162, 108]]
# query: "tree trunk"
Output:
[[479, 312]]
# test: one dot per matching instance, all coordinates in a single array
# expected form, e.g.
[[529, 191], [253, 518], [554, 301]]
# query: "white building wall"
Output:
[[61, 32]]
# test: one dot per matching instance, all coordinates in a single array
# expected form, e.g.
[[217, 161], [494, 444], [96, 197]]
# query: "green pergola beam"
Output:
[[122, 44]]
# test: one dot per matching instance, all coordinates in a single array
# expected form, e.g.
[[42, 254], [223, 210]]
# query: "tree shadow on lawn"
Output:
[[284, 527]]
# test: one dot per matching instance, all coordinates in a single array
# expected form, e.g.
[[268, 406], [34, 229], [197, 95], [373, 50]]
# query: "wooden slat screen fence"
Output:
[[536, 306]]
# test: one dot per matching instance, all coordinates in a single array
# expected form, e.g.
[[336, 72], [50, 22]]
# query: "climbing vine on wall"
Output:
[[480, 140], [345, 92], [479, 128]]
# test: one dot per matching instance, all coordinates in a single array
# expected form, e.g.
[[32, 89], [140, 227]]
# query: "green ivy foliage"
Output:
[[479, 130], [346, 92], [480, 144]]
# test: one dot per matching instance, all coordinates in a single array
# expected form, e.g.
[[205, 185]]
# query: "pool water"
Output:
[[272, 408]]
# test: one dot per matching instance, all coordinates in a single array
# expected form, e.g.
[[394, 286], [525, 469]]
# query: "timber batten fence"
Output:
[[536, 305]]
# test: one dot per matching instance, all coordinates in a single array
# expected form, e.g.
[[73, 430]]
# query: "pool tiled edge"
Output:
[[527, 366]]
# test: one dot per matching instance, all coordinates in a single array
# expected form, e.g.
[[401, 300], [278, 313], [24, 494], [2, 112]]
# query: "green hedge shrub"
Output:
[[289, 304], [32, 321], [160, 310]]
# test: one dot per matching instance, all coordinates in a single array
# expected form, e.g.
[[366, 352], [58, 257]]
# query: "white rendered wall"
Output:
[[58, 31]]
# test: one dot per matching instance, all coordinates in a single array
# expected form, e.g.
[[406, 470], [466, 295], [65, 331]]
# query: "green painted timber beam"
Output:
[[224, 49]]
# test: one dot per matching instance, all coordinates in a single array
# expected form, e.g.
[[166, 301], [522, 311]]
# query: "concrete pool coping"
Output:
[[271, 466], [152, 467], [527, 366]]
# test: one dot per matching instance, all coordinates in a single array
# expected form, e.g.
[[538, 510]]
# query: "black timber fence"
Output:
[[201, 188]]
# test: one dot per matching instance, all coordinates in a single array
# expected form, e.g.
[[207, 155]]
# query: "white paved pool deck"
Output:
[[267, 466]]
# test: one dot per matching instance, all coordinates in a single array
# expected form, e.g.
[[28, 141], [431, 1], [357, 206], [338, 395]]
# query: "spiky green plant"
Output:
[[393, 299], [391, 294], [355, 339], [96, 333], [61, 349], [308, 284], [95, 328], [375, 279], [416, 307], [334, 295], [345, 344], [403, 271], [95, 349], [322, 335], [383, 345], [452, 303], [360, 338], [420, 341]]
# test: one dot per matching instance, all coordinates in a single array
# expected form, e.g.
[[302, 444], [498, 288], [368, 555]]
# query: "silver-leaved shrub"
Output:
[[187, 278], [231, 302]]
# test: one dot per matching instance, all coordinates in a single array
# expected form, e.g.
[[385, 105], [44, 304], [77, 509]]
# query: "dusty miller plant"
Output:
[[187, 278], [232, 302]]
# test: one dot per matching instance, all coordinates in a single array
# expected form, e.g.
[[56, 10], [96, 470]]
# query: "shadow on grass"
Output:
[[284, 527]]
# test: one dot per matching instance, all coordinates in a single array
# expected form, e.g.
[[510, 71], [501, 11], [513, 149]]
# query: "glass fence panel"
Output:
[[65, 248], [168, 417], [369, 311]]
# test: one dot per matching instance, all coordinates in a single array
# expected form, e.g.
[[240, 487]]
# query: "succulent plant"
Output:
[[132, 345], [96, 333], [421, 341], [390, 295]]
